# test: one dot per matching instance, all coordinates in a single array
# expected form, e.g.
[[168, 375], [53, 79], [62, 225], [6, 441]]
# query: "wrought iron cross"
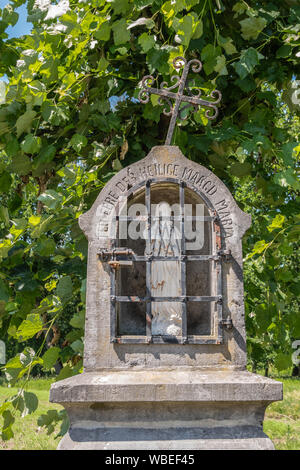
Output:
[[165, 94]]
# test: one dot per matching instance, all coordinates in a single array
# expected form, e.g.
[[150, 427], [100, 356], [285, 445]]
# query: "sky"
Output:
[[20, 28]]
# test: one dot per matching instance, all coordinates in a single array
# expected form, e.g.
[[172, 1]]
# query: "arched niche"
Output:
[[206, 339], [198, 278]]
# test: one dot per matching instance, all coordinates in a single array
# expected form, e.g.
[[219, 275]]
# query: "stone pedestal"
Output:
[[188, 389], [166, 409]]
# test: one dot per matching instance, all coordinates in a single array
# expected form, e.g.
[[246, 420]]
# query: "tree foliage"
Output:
[[69, 120]]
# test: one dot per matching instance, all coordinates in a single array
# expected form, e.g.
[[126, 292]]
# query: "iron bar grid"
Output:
[[217, 338]]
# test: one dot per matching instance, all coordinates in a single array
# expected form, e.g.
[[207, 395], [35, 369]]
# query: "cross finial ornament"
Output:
[[165, 94]]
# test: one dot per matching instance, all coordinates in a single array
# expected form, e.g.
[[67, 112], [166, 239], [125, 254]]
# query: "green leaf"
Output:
[[45, 247], [209, 55], [263, 316], [241, 169], [9, 15], [50, 357], [141, 4], [29, 327], [65, 373], [30, 403], [5, 182], [14, 363], [277, 222], [284, 51], [4, 291], [42, 227], [252, 27], [65, 423], [77, 346], [4, 215], [77, 321], [197, 30], [51, 199], [146, 42], [117, 165], [287, 152], [31, 144], [7, 432], [148, 22], [21, 164], [48, 418], [158, 60], [34, 220], [24, 122], [249, 60], [227, 45], [18, 402], [283, 361], [12, 147], [220, 66], [184, 29], [120, 31], [28, 357], [78, 141], [102, 66], [258, 248], [103, 33], [64, 289], [287, 178]]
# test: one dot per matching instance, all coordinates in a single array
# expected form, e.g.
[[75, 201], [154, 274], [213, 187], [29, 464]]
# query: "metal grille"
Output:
[[118, 255]]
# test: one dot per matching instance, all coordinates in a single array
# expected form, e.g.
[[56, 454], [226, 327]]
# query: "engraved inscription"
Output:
[[200, 182]]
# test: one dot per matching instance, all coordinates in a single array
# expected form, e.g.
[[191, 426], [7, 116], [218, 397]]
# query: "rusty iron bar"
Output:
[[106, 255], [165, 94], [148, 263], [113, 312], [225, 254], [180, 298], [183, 265], [227, 323]]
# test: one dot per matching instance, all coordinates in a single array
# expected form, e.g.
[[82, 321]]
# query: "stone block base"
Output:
[[166, 410]]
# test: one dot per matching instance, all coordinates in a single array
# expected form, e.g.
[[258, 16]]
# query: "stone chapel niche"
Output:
[[194, 320]]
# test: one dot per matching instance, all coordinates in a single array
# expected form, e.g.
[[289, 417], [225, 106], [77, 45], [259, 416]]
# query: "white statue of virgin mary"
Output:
[[165, 275]]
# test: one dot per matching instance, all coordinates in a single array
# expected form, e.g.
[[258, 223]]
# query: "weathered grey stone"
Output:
[[166, 410], [166, 396], [177, 385]]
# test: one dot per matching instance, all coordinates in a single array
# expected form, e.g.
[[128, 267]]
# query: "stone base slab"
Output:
[[165, 385], [202, 439], [166, 409]]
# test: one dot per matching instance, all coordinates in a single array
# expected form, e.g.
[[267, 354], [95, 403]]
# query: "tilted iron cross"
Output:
[[181, 83]]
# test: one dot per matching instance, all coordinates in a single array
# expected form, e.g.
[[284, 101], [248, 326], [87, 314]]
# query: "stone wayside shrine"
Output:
[[165, 344]]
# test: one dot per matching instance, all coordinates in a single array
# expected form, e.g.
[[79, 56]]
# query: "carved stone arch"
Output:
[[163, 163]]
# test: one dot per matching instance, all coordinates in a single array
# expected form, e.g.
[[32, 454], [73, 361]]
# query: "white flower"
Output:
[[20, 64], [60, 9], [56, 28], [29, 52]]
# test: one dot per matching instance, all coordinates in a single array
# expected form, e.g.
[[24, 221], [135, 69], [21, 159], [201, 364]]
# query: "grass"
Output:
[[282, 421], [27, 434]]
